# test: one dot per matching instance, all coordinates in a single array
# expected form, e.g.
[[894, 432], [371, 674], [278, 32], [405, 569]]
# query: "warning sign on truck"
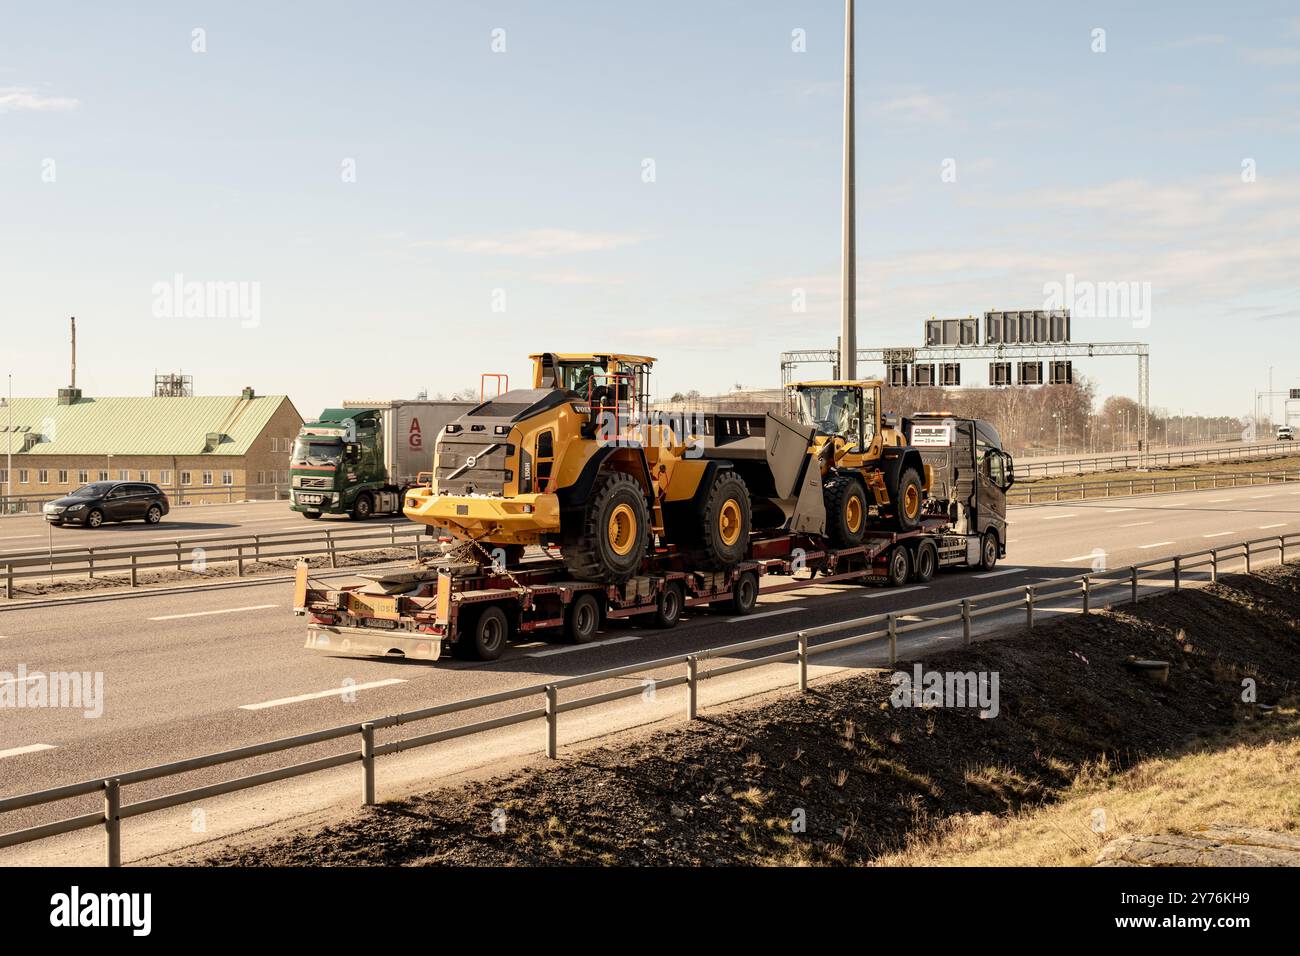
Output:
[[932, 436]]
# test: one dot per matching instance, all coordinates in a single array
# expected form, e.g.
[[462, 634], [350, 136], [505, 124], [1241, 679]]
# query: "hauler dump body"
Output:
[[475, 604]]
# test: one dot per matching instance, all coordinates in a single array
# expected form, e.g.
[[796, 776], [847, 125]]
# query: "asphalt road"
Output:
[[21, 534], [204, 671]]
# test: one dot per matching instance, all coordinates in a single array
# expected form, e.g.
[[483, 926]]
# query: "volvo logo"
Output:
[[472, 461]]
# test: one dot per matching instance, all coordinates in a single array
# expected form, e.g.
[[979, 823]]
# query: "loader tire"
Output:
[[606, 539], [908, 503], [724, 521], [846, 512]]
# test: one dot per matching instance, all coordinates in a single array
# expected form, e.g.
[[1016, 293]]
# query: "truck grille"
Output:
[[304, 482]]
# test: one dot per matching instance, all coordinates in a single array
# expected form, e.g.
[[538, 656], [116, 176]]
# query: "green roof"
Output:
[[142, 425]]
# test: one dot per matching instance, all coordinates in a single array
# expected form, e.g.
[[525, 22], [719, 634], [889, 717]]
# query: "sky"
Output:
[[360, 201]]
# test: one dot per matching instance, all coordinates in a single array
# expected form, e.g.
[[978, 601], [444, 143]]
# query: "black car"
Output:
[[100, 501]]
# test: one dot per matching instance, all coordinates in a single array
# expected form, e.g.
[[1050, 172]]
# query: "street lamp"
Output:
[[9, 444]]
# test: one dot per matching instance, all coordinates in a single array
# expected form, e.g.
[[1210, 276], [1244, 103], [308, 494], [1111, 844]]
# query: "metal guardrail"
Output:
[[886, 626], [1134, 459], [177, 496], [1144, 485], [197, 553]]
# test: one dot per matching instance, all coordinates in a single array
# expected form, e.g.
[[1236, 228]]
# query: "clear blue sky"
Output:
[[522, 171]]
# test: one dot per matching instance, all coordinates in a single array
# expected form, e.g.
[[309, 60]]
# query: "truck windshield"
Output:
[[317, 449]]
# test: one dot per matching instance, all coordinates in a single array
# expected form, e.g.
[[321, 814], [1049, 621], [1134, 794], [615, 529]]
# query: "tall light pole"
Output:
[[848, 250], [9, 445]]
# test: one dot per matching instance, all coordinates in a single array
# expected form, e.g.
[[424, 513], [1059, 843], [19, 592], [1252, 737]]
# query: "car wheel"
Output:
[[154, 515], [95, 518]]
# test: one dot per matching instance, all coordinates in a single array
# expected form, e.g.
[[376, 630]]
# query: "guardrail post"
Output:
[[965, 620], [112, 823], [239, 560], [893, 639], [179, 562], [9, 582], [1087, 594], [1134, 573], [257, 548], [1178, 571], [552, 719], [368, 765], [1247, 548], [1029, 606], [1214, 566], [803, 662], [392, 535], [90, 559], [135, 578], [1281, 549], [329, 545], [692, 686]]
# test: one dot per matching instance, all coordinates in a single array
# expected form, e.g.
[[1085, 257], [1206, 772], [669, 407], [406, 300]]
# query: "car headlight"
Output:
[[75, 507]]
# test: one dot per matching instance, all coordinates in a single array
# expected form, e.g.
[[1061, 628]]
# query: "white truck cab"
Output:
[[1285, 433]]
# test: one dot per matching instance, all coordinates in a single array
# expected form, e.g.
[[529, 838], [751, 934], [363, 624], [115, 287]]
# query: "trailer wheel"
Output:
[[846, 512], [900, 566], [606, 539], [744, 594], [908, 500], [926, 562], [668, 608], [582, 619], [486, 636], [989, 551]]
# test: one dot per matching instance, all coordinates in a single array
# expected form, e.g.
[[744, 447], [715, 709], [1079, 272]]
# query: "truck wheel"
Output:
[[724, 522], [989, 551], [900, 566], [668, 609], [311, 515], [744, 594], [606, 540], [582, 619], [926, 562], [363, 508], [486, 638], [908, 501], [846, 512]]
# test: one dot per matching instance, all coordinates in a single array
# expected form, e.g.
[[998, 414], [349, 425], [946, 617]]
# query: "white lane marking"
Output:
[[1220, 534], [1058, 517], [229, 610], [1136, 524], [30, 749], [1217, 501], [1158, 544], [888, 591], [1173, 505], [1082, 557], [15, 537], [1115, 511], [755, 617], [1260, 497], [551, 651], [335, 692], [998, 574], [1265, 527]]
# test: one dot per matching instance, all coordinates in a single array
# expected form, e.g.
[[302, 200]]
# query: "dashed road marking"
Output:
[[29, 749], [229, 610], [552, 651], [1280, 524], [998, 574], [886, 592], [755, 617], [1058, 517], [1158, 544], [1136, 524], [1220, 534], [333, 692]]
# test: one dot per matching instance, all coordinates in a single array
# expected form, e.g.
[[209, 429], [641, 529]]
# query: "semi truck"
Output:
[[474, 599], [359, 460]]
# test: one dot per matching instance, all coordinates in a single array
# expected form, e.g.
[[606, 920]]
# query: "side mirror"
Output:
[[889, 420]]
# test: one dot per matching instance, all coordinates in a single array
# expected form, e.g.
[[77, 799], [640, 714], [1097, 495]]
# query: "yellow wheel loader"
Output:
[[868, 468], [578, 462]]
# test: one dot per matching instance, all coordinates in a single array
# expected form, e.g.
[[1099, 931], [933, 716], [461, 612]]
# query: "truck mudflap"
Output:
[[372, 642]]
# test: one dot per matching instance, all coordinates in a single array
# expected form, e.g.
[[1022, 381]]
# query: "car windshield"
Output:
[[92, 491], [317, 449]]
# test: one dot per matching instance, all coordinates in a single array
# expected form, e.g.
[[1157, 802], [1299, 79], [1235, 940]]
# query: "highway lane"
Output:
[[26, 533], [181, 671]]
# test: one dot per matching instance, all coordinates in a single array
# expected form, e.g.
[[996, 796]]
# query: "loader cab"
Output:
[[848, 411], [609, 381]]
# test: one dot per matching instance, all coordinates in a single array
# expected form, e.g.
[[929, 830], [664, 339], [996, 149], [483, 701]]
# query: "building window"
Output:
[[207, 477], [83, 476], [227, 477], [63, 476], [124, 474], [103, 474], [22, 476], [144, 475], [4, 475], [43, 476], [164, 477], [185, 478]]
